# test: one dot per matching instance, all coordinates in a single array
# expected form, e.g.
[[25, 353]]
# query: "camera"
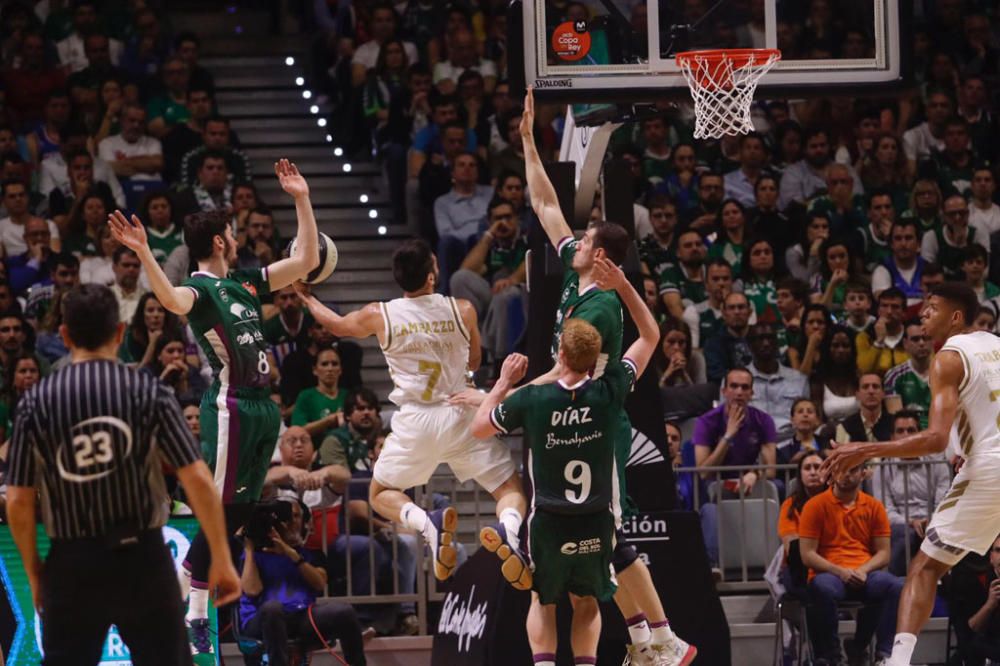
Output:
[[265, 517]]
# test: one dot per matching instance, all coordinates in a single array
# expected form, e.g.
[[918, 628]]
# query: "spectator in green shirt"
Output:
[[84, 223], [731, 230], [975, 263], [352, 444], [164, 236], [319, 409], [170, 108]]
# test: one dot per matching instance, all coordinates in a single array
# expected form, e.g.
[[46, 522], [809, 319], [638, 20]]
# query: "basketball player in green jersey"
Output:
[[239, 422], [571, 429], [649, 630]]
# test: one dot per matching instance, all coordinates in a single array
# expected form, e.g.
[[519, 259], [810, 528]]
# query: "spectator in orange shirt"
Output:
[[844, 538]]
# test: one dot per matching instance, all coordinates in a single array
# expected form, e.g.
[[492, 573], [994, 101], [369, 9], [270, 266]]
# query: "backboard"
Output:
[[622, 51]]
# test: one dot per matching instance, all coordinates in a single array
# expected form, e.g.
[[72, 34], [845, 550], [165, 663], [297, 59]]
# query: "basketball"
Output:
[[327, 259]]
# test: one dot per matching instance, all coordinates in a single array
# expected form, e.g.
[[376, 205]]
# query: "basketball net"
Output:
[[722, 85]]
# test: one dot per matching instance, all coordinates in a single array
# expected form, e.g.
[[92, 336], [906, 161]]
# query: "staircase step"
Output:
[[311, 151], [335, 197], [362, 260], [302, 121], [223, 64], [360, 296], [296, 106], [207, 24], [268, 185], [238, 46], [340, 222], [386, 245], [252, 99], [313, 166], [277, 76], [379, 274]]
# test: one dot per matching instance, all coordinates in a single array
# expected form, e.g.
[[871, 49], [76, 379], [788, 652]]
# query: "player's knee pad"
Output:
[[625, 553]]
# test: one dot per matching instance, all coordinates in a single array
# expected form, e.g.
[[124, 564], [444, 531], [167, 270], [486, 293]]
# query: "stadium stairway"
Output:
[[273, 119]]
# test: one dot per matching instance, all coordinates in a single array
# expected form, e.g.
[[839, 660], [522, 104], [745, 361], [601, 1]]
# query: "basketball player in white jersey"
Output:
[[430, 342], [965, 386]]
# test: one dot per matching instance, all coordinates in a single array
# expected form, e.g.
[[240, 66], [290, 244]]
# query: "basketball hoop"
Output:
[[722, 84]]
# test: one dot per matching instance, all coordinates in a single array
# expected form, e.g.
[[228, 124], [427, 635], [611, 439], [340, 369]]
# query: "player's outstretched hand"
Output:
[[528, 116], [223, 582], [470, 397], [130, 234], [290, 178], [514, 368], [843, 458], [302, 289], [608, 276]]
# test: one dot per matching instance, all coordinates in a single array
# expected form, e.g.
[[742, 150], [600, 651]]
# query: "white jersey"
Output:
[[426, 348], [978, 418]]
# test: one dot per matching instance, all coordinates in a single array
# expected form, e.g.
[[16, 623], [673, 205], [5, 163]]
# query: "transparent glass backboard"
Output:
[[623, 50]]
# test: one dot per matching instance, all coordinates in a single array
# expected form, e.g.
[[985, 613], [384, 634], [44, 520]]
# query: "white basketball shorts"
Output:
[[424, 436], [968, 518]]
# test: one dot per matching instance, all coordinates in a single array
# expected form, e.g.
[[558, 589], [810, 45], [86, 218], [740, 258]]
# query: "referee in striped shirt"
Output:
[[91, 441]]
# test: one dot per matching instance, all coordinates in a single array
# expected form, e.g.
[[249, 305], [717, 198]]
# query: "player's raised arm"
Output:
[[514, 368], [358, 324], [471, 321], [132, 235], [543, 195], [946, 376], [286, 271], [609, 276]]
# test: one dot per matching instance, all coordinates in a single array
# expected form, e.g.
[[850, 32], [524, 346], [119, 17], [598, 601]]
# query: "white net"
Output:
[[722, 86]]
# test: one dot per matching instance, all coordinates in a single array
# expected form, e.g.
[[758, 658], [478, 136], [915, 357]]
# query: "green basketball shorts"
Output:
[[572, 554], [239, 430]]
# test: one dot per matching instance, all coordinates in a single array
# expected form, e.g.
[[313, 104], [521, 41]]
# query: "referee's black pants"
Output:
[[88, 585]]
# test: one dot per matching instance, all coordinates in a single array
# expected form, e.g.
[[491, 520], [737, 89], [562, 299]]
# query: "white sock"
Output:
[[184, 578], [197, 605], [902, 649], [662, 633], [639, 632], [413, 517], [511, 519]]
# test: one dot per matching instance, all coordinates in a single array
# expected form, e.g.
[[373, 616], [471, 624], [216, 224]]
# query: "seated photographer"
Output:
[[322, 490], [281, 580]]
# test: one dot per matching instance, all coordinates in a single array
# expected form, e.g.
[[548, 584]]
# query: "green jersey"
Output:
[[81, 245], [311, 405], [344, 446], [876, 249], [913, 389], [162, 243], [763, 299], [600, 308], [571, 433], [656, 257], [502, 261], [988, 292], [226, 321], [674, 279], [728, 251]]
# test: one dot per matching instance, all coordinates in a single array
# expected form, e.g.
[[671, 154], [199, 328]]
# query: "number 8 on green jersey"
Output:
[[239, 422]]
